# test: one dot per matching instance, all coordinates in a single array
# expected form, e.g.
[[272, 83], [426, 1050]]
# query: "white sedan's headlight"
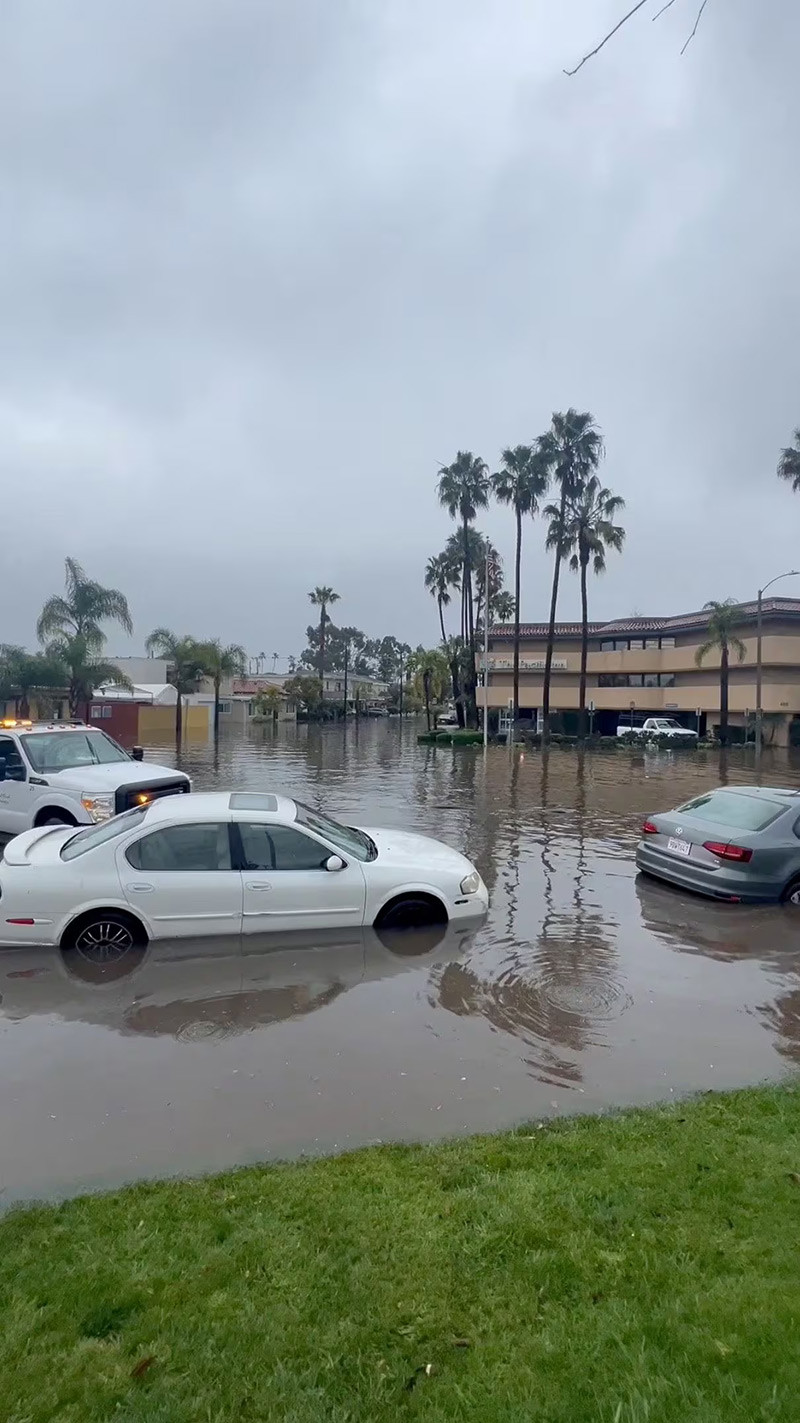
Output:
[[471, 884], [100, 807]]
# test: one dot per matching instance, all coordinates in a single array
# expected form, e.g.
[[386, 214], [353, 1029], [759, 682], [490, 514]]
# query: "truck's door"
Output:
[[17, 795]]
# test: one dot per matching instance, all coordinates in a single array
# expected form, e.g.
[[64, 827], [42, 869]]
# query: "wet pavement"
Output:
[[586, 988]]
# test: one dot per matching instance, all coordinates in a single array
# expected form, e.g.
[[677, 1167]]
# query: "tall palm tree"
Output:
[[82, 611], [431, 672], [322, 598], [588, 532], [504, 607], [571, 449], [440, 577], [724, 618], [464, 489], [186, 659], [521, 482], [70, 627], [483, 548], [789, 462], [220, 662]]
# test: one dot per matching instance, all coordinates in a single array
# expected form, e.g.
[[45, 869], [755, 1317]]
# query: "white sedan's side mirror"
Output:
[[334, 863]]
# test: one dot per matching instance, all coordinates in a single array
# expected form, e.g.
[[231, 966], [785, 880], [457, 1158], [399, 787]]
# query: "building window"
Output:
[[666, 679], [224, 708], [606, 647], [667, 642], [636, 644], [651, 679], [636, 679], [100, 711]]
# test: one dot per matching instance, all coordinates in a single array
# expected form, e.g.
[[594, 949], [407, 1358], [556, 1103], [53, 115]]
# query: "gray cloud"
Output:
[[263, 265]]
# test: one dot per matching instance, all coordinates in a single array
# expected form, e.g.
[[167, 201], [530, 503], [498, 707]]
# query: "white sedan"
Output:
[[241, 862]]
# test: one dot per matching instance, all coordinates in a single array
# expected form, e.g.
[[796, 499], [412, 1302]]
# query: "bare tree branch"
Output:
[[609, 36], [666, 6], [696, 23]]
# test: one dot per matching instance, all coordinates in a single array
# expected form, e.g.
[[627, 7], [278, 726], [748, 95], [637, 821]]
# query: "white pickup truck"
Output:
[[657, 726], [67, 773]]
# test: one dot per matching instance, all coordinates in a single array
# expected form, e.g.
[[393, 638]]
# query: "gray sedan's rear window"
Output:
[[740, 812]]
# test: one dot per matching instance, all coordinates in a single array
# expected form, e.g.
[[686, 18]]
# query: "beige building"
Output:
[[646, 666]]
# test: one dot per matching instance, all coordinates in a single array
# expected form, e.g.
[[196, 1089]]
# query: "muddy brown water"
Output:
[[586, 988]]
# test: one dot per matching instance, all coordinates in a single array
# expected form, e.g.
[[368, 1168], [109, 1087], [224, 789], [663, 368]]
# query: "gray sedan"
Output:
[[741, 843]]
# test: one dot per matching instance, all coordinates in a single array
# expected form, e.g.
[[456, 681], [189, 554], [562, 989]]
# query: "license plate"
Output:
[[679, 847]]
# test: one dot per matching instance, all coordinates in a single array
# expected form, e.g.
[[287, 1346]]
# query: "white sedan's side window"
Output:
[[201, 848], [279, 847]]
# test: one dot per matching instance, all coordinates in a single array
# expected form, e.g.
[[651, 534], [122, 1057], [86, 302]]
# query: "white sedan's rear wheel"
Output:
[[104, 936]]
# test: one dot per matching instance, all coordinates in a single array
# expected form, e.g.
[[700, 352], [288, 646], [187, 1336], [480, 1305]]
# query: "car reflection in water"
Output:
[[765, 934], [191, 990]]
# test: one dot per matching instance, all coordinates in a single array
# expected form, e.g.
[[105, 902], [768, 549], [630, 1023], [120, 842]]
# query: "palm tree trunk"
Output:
[[584, 647], [426, 687], [179, 718], [216, 708], [322, 660], [517, 584], [471, 709], [551, 631], [441, 620], [723, 695]]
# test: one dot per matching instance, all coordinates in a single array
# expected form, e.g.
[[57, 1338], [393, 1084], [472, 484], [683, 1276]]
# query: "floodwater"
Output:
[[586, 988]]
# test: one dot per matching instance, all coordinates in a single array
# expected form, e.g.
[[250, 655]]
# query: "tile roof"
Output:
[[770, 608]]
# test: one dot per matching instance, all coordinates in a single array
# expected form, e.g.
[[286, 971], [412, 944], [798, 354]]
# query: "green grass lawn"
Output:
[[621, 1270]]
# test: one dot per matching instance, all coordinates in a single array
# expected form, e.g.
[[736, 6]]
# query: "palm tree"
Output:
[[789, 463], [504, 607], [322, 598], [724, 618], [186, 664], [483, 548], [521, 482], [588, 532], [87, 604], [440, 577], [463, 490], [70, 628], [220, 662], [571, 449]]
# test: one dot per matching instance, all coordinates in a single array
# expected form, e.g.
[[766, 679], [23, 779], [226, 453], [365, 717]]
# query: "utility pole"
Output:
[[793, 573], [346, 660], [400, 698], [486, 654]]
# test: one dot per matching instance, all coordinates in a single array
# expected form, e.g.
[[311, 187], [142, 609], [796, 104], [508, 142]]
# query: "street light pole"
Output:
[[793, 573]]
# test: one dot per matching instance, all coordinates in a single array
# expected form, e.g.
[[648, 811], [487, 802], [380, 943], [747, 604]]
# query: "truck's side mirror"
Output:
[[2, 768], [137, 753]]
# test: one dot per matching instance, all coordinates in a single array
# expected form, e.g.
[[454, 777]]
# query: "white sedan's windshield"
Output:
[[344, 837], [59, 750]]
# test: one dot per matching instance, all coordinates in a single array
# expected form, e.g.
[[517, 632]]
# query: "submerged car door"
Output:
[[181, 878], [286, 884]]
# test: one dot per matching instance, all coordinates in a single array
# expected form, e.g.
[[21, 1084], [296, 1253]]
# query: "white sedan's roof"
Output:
[[206, 804]]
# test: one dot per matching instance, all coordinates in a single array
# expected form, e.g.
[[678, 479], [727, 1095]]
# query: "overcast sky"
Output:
[[264, 264]]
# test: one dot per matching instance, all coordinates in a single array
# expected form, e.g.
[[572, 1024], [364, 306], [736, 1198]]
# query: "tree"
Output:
[[430, 671], [521, 483], [440, 577], [186, 660], [484, 548], [723, 620], [663, 5], [306, 691], [70, 628], [220, 662], [268, 701], [789, 462], [589, 531], [463, 489], [322, 598], [504, 607], [26, 676], [571, 449]]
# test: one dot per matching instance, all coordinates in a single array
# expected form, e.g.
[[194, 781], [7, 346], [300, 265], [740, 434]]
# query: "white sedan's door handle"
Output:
[[140, 888], [257, 884]]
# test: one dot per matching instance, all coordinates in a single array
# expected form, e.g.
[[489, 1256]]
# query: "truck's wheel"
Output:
[[55, 817]]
